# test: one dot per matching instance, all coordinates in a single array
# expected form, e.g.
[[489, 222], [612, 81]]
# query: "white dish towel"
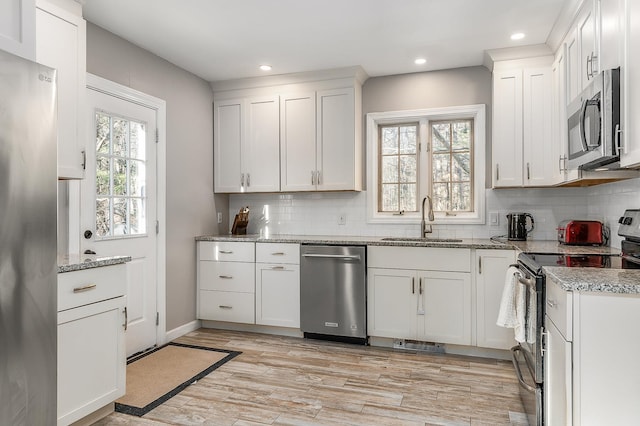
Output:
[[513, 305]]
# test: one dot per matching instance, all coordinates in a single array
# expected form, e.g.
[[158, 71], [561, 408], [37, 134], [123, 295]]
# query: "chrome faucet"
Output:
[[423, 224]]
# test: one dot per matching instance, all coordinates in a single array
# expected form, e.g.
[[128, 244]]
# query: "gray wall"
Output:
[[435, 89], [191, 205]]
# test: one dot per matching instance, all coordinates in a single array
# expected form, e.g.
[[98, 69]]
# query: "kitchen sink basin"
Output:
[[425, 239]]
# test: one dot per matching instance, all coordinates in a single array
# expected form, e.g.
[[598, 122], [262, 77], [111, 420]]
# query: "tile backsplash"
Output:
[[318, 213]]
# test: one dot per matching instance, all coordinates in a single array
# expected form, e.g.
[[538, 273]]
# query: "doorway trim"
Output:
[[117, 90]]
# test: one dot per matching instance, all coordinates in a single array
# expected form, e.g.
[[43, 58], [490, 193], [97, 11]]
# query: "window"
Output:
[[433, 152], [120, 176]]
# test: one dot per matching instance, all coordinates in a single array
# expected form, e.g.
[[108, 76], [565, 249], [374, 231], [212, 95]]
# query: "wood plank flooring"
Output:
[[291, 381]]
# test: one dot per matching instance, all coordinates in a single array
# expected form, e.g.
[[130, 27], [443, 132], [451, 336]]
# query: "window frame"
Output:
[[424, 117]]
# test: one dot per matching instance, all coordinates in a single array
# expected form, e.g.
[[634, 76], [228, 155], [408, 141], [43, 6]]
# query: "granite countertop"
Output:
[[359, 240], [596, 279], [72, 263]]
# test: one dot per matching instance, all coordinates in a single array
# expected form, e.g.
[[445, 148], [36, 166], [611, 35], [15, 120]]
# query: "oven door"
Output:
[[531, 393]]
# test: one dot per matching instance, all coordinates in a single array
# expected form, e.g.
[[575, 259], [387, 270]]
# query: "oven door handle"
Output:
[[514, 359]]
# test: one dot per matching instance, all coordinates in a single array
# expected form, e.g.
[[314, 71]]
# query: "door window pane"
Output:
[[120, 176]]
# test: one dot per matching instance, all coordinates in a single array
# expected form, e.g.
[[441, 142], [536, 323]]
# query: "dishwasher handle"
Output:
[[334, 256]]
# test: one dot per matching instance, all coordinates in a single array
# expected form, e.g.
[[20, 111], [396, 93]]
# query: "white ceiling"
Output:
[[229, 39]]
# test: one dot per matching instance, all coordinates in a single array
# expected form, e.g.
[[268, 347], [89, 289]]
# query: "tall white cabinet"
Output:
[[61, 44]]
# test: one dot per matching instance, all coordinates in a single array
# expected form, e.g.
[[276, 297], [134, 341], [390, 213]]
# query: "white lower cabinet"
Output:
[[226, 281], [428, 305], [590, 379], [278, 284], [91, 340], [491, 267]]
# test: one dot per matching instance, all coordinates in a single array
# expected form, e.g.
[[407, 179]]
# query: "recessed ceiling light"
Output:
[[420, 61], [265, 67], [517, 36]]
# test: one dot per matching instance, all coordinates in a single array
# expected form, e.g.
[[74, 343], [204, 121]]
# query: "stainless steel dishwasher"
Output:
[[333, 292]]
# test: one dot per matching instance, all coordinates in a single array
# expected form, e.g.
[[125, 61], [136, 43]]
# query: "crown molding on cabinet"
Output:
[[514, 53], [561, 27], [356, 72]]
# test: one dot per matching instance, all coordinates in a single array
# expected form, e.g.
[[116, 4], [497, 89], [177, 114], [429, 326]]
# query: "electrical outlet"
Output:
[[342, 219], [494, 218], [219, 217]]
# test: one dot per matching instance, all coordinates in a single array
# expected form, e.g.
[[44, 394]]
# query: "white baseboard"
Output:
[[182, 330], [253, 328]]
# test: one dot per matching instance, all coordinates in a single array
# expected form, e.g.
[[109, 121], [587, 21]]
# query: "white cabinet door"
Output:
[[260, 157], [336, 145], [507, 128], [611, 33], [278, 295], [630, 89], [18, 27], [444, 307], [539, 150], [589, 55], [61, 44], [298, 142], [392, 303], [558, 395], [91, 358], [574, 69], [227, 142], [491, 269]]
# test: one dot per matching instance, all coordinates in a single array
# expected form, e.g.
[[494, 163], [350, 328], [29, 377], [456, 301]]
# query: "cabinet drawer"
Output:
[[227, 306], [228, 251], [423, 258], [278, 253], [79, 288], [559, 308], [227, 276]]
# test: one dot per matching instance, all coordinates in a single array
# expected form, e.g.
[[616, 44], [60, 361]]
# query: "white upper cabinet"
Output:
[[246, 145], [18, 27], [630, 86], [61, 44], [507, 128], [337, 156], [227, 142], [611, 33], [298, 142], [523, 151], [296, 136]]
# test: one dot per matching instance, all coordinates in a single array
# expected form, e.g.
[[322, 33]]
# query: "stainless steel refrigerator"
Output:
[[28, 259]]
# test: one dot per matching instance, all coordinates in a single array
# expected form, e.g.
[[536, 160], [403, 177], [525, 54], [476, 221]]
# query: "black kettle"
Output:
[[517, 226]]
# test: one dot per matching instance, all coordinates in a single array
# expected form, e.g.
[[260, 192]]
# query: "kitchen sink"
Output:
[[425, 239]]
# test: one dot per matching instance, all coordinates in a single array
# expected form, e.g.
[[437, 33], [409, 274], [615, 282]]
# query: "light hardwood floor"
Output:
[[291, 381]]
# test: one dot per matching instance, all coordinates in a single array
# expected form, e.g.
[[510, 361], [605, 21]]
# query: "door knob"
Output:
[[88, 234]]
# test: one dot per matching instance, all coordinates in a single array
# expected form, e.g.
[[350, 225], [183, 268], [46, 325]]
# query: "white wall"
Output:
[[191, 205], [608, 202]]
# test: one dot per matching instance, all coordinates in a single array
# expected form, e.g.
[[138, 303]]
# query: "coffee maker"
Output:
[[517, 226]]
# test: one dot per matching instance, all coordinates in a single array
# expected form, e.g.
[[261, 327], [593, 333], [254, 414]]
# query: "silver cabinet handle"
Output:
[[420, 285], [279, 253], [248, 180], [225, 277], [497, 172], [618, 143], [84, 288], [318, 177], [313, 177], [242, 180], [413, 285], [225, 307], [278, 268], [479, 264], [126, 318], [226, 252], [528, 171]]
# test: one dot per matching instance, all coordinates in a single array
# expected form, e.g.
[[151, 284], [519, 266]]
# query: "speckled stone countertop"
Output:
[[596, 279], [554, 247], [356, 240], [72, 263]]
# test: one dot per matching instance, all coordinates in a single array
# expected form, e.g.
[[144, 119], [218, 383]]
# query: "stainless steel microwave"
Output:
[[594, 124]]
